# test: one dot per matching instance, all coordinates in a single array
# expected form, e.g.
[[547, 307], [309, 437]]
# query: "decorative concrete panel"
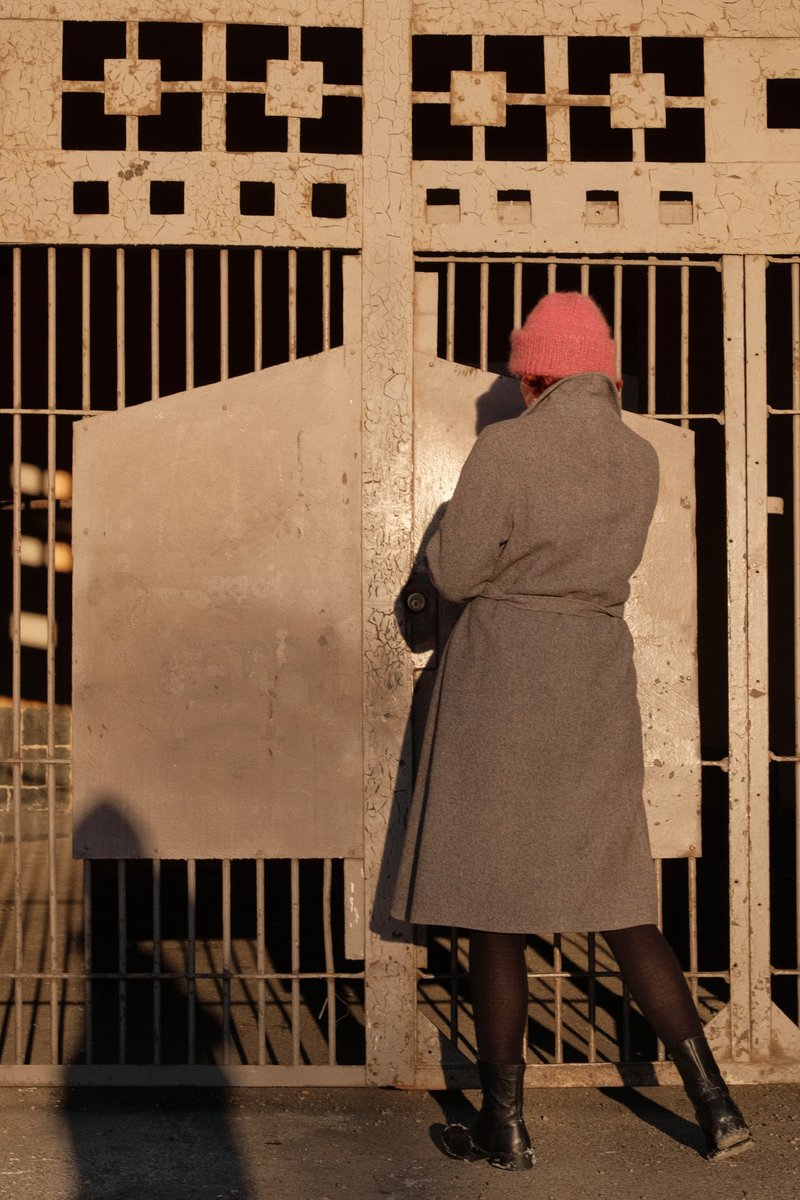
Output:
[[452, 403], [217, 605]]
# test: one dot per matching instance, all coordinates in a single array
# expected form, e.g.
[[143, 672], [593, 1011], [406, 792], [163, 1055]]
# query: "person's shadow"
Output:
[[131, 1141]]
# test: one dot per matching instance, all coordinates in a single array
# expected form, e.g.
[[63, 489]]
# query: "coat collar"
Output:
[[589, 384]]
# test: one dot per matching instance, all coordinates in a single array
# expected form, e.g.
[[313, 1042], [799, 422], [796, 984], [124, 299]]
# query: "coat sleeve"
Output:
[[464, 553]]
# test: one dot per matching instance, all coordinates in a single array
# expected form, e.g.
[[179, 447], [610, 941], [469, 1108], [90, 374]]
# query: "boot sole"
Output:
[[523, 1161], [729, 1151], [469, 1151]]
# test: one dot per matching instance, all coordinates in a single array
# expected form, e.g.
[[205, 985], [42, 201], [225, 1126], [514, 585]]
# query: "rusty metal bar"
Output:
[[326, 299], [684, 341], [189, 315], [660, 1053], [617, 327], [295, 982], [558, 1006], [758, 659], [693, 960], [517, 295], [86, 329], [330, 995], [567, 260], [451, 310], [651, 337], [120, 299], [478, 131], [50, 667], [156, 960], [738, 774], [591, 950], [261, 965], [258, 309], [191, 958], [584, 277], [226, 961], [484, 316], [292, 305], [551, 274], [88, 1036], [795, 320], [122, 962], [16, 643], [155, 324], [224, 314]]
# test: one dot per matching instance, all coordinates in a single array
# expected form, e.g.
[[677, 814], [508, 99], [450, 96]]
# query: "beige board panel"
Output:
[[217, 606], [30, 85], [737, 71], [277, 12], [648, 18], [751, 209], [38, 198], [451, 404]]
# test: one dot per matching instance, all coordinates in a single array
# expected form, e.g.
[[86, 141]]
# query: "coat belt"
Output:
[[569, 605]]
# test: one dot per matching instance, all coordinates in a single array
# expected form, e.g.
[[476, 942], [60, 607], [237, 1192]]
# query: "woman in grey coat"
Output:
[[532, 757]]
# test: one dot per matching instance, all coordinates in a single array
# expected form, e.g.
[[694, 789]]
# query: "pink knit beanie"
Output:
[[565, 334]]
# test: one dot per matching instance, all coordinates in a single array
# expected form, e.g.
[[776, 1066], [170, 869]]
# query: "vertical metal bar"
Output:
[[451, 311], [661, 1054], [224, 314], [292, 305], [122, 960], [330, 982], [484, 316], [592, 996], [758, 657], [651, 338], [626, 1023], [558, 988], [189, 316], [618, 285], [16, 643], [88, 1038], [684, 340], [517, 295], [326, 299], [295, 982], [86, 329], [120, 297], [293, 123], [51, 657], [738, 750], [226, 961], [261, 964], [191, 958], [585, 278], [156, 960], [258, 308], [693, 959], [155, 324], [454, 985], [795, 309], [551, 276]]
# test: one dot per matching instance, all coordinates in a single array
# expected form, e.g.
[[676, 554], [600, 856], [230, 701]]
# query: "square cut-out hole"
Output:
[[178, 44], [783, 104], [514, 207], [256, 199], [602, 208], [434, 56], [592, 138], [676, 208], [179, 126], [166, 197], [442, 205], [85, 125], [434, 137], [329, 200], [89, 196], [249, 46], [87, 44]]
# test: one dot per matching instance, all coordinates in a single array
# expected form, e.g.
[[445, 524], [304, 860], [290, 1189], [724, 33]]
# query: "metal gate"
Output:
[[180, 213]]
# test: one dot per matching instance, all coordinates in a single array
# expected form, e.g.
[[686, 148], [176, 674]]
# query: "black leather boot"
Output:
[[499, 1134], [724, 1126]]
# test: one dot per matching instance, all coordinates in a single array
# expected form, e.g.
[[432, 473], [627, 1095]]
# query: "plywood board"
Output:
[[217, 604]]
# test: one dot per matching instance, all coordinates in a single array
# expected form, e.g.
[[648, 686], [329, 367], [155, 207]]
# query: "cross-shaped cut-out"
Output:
[[294, 88], [637, 101], [477, 98], [133, 87]]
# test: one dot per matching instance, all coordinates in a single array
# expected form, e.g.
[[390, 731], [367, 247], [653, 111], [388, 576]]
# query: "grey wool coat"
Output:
[[527, 814]]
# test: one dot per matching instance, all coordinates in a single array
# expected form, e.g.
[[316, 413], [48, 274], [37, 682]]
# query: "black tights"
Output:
[[499, 985]]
